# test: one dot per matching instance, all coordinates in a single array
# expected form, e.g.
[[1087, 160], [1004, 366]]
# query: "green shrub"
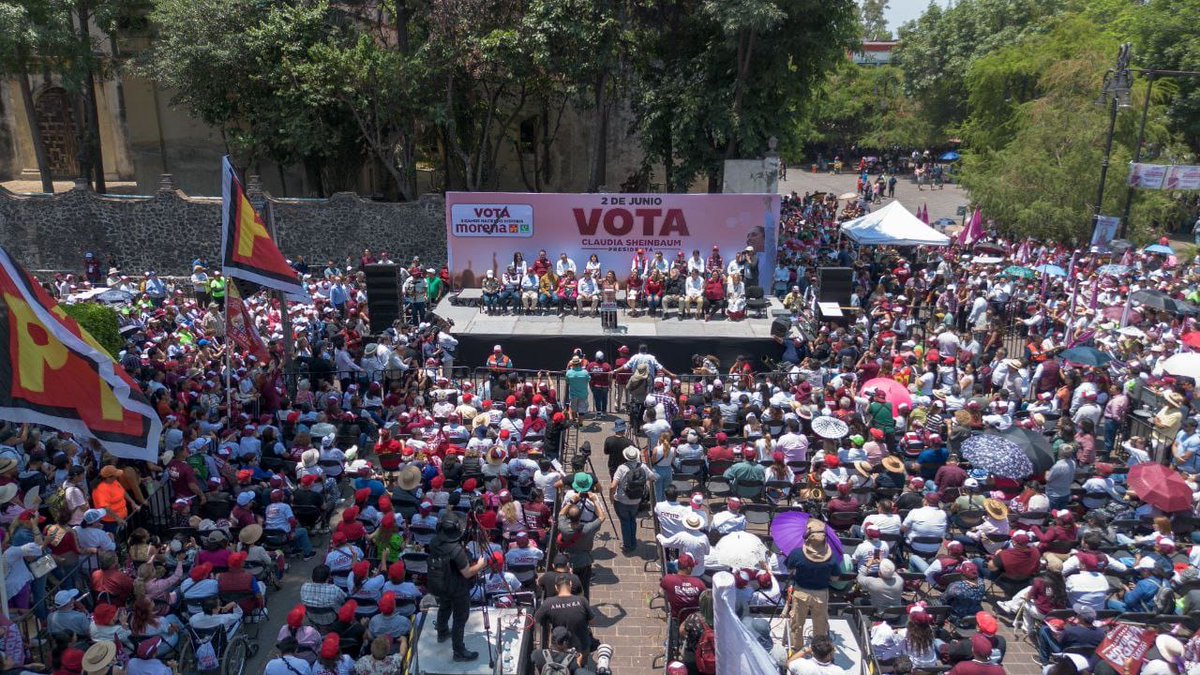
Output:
[[101, 322]]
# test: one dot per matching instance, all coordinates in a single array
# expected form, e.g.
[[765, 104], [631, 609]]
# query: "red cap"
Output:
[[104, 614], [346, 613], [237, 560], [338, 539], [361, 569], [361, 495], [832, 462], [777, 457], [387, 604], [295, 618], [331, 646], [558, 417], [72, 660], [201, 571], [308, 480], [388, 522], [470, 484], [722, 437], [350, 514], [437, 482], [245, 475], [986, 623], [686, 560], [385, 504], [396, 572], [877, 435]]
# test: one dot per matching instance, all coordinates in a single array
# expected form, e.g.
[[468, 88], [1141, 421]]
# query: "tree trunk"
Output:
[[35, 131], [600, 147], [91, 113]]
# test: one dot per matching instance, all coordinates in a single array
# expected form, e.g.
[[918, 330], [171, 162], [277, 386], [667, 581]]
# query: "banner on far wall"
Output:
[[1164, 176], [484, 229]]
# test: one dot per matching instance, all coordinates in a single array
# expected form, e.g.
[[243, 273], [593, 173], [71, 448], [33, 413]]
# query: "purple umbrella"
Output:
[[788, 530]]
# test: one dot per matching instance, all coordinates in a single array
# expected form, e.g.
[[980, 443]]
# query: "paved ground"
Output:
[[942, 203]]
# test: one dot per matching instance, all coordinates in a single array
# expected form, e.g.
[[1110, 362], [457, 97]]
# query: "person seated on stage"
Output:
[[510, 289], [564, 265], [659, 264], [589, 294], [714, 295], [609, 287], [735, 298], [633, 291], [529, 290], [547, 286], [491, 291], [693, 294], [673, 291], [567, 291], [653, 290]]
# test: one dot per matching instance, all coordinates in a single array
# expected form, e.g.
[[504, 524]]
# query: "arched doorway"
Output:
[[56, 122]]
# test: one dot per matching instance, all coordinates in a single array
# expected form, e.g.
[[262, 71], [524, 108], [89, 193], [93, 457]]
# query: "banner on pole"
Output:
[[1147, 176], [1182, 178], [240, 327], [248, 251], [1105, 231], [484, 229], [1164, 176]]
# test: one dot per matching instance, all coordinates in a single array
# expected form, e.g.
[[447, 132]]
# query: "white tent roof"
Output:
[[893, 225]]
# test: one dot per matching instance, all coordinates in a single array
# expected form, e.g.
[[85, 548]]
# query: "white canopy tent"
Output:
[[892, 225]]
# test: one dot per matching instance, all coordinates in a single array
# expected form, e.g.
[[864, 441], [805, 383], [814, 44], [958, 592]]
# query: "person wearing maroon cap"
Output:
[[1013, 567], [747, 470], [721, 452], [682, 590], [980, 663]]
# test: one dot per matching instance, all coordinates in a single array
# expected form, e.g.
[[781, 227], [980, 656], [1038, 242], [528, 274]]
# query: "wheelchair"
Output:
[[230, 652]]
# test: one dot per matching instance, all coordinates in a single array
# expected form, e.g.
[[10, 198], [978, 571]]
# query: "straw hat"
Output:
[[310, 458], [863, 468], [250, 534], [7, 464], [99, 657], [409, 478], [1174, 399], [995, 509], [7, 492], [893, 464]]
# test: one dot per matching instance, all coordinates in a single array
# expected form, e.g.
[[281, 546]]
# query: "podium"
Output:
[[608, 315]]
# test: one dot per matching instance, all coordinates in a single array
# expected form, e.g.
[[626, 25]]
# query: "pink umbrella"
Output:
[[1114, 313], [893, 391]]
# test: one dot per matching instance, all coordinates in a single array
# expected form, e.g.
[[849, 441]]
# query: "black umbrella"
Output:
[[1035, 445], [1160, 300]]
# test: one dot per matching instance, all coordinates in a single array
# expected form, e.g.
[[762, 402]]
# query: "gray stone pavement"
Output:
[[942, 203]]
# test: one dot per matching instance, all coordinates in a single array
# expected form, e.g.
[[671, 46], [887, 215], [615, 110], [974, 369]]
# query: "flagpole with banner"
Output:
[[285, 317]]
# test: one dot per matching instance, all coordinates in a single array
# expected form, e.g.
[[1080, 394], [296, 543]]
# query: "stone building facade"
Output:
[[166, 230]]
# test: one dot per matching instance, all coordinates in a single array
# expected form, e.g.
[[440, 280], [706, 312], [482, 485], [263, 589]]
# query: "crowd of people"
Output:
[[1000, 434]]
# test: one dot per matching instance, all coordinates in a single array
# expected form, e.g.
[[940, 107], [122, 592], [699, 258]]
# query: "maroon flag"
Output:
[[239, 326]]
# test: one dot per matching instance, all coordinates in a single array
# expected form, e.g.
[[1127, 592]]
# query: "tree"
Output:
[[1164, 36], [873, 20], [32, 30], [716, 80], [938, 48], [865, 107], [98, 321], [237, 65], [1033, 162]]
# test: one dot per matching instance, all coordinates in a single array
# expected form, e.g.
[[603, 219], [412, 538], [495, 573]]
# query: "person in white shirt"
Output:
[[589, 294], [870, 552], [731, 519], [529, 291], [926, 521], [693, 294], [689, 540], [695, 262], [886, 521], [670, 513], [564, 265]]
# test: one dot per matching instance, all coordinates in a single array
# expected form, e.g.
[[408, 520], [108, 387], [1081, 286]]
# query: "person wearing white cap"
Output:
[[731, 519], [1140, 595]]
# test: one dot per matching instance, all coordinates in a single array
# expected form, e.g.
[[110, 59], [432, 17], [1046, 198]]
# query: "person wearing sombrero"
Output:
[[99, 659], [812, 565], [1167, 420]]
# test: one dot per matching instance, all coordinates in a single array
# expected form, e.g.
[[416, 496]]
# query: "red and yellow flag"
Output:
[[53, 372], [247, 250]]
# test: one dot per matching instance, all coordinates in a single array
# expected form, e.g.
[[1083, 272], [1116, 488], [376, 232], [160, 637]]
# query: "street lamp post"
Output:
[[1117, 85], [1151, 75]]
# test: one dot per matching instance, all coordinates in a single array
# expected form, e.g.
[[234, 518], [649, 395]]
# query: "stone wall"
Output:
[[169, 229]]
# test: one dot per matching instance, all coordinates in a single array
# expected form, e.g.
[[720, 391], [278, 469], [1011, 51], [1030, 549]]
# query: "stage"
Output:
[[545, 342]]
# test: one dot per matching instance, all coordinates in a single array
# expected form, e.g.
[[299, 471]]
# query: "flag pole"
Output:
[[228, 361], [285, 318]]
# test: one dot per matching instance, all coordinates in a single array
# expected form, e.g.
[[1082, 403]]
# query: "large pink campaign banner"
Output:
[[485, 229]]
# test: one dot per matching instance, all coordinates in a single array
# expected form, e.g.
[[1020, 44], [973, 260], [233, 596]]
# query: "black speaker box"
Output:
[[835, 284], [384, 302]]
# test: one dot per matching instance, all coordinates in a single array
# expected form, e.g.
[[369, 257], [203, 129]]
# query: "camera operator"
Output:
[[451, 575]]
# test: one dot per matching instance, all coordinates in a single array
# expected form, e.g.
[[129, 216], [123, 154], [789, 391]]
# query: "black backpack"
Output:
[[439, 577], [634, 482]]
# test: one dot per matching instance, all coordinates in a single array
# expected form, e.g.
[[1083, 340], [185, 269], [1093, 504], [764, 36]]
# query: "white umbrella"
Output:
[[1133, 332], [849, 195], [1186, 364], [829, 427], [737, 550]]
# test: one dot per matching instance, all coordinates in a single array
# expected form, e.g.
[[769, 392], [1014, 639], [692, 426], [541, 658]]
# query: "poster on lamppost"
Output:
[[1105, 231]]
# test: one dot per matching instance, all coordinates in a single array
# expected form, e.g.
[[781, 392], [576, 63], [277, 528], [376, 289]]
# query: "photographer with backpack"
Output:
[[627, 489], [451, 576]]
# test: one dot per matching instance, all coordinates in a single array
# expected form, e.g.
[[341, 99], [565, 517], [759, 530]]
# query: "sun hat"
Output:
[[99, 656], [409, 478], [893, 464], [631, 454], [310, 457], [693, 522], [250, 534], [582, 483], [995, 509]]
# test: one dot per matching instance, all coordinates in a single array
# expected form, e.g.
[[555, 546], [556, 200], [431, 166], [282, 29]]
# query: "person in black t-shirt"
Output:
[[454, 598], [568, 611], [547, 584], [559, 650]]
